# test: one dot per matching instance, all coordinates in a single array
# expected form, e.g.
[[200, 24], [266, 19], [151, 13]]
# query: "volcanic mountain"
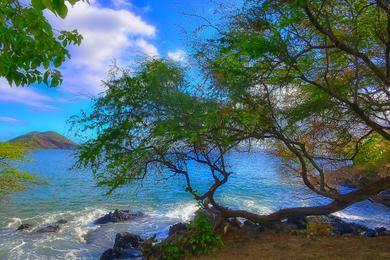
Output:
[[45, 140]]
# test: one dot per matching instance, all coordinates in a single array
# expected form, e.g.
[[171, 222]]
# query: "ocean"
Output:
[[259, 183]]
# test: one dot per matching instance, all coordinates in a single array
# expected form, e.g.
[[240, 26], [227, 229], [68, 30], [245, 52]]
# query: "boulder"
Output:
[[61, 222], [121, 253], [108, 254], [248, 223], [381, 231], [52, 228], [126, 246], [299, 222], [234, 222], [118, 216], [253, 226], [127, 240], [341, 227], [370, 233], [24, 227], [177, 228]]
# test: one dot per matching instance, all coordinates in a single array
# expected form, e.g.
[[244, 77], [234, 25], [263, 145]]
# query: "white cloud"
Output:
[[147, 48], [178, 56], [121, 3], [26, 96], [9, 120], [108, 34]]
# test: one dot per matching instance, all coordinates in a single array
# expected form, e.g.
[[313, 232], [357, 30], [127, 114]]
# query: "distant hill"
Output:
[[45, 140]]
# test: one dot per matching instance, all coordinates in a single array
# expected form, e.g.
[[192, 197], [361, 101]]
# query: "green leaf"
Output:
[[57, 62], [38, 4], [60, 8], [48, 4]]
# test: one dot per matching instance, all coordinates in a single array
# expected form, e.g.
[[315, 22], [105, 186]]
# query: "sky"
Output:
[[119, 31]]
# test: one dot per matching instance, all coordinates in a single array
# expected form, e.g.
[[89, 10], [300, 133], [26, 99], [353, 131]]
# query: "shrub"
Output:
[[200, 239], [203, 239], [318, 229], [172, 251]]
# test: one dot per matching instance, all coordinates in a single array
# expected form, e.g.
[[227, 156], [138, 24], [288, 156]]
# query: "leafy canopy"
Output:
[[152, 120], [12, 179], [311, 77], [58, 7], [325, 65], [30, 49]]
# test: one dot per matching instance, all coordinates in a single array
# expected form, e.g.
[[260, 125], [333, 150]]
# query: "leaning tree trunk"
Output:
[[338, 204]]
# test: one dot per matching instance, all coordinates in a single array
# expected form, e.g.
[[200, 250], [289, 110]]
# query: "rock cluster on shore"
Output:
[[126, 246], [118, 216], [132, 246], [49, 228]]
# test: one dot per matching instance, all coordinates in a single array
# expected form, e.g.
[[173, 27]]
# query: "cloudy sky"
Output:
[[113, 30]]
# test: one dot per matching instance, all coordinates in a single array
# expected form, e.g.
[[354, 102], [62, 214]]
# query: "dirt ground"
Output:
[[270, 245]]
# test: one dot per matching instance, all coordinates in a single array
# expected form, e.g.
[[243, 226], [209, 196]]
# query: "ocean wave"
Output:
[[182, 211], [15, 222]]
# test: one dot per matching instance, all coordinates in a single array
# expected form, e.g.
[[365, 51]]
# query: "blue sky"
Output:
[[117, 30]]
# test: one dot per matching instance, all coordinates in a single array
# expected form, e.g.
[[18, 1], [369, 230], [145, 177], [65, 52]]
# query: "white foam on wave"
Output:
[[348, 216], [17, 246], [23, 246], [183, 211], [369, 219], [83, 224], [246, 204], [252, 205], [15, 222]]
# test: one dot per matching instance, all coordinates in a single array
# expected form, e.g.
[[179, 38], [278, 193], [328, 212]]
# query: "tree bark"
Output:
[[342, 202]]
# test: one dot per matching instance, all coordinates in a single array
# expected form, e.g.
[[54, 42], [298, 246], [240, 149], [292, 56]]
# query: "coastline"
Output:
[[294, 238], [46, 204]]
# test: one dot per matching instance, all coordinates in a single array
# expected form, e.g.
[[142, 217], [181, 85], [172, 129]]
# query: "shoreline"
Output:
[[248, 240]]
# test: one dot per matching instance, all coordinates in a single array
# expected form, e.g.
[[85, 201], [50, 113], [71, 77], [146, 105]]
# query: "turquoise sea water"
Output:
[[259, 184]]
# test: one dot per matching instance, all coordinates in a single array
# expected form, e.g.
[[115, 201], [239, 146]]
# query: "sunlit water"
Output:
[[258, 185]]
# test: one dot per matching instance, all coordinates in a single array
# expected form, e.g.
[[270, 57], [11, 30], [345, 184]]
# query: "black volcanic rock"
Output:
[[300, 222], [24, 227], [122, 253], [127, 240], [118, 216], [52, 228], [61, 222], [177, 228], [127, 246], [342, 227]]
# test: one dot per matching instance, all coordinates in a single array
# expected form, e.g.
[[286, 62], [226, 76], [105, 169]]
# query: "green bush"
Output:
[[199, 240], [203, 239], [172, 251]]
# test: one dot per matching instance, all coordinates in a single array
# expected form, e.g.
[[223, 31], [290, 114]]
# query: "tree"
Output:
[[58, 7], [325, 88], [274, 77], [12, 179], [319, 66], [30, 49]]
